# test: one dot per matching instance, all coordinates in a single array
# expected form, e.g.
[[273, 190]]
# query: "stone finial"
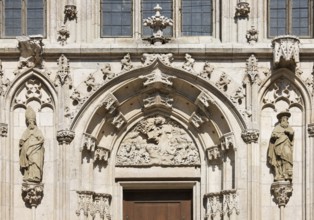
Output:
[[252, 35], [158, 23], [31, 51], [65, 136], [64, 34], [250, 136], [32, 193], [282, 191], [286, 51], [252, 69], [63, 75], [3, 130], [242, 9]]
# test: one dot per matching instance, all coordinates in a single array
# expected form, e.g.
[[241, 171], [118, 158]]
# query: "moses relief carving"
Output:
[[280, 151], [32, 149], [157, 141]]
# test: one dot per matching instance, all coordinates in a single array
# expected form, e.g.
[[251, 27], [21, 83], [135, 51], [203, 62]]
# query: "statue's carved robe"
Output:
[[32, 155]]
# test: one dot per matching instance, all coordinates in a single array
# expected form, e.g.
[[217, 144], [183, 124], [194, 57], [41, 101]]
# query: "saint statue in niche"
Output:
[[280, 151], [32, 149]]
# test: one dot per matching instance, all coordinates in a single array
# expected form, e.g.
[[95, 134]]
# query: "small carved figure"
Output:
[[223, 82], [189, 63], [126, 63], [280, 151], [32, 149], [70, 13]]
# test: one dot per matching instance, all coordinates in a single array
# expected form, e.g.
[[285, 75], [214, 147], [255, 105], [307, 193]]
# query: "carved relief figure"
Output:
[[280, 151], [32, 149]]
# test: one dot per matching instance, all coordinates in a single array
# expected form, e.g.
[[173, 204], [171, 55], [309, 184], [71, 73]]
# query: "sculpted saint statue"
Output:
[[280, 151], [32, 149]]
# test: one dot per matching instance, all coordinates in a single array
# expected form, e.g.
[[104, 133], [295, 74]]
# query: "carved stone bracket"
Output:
[[197, 120], [65, 136], [252, 35], [242, 10], [32, 193], [110, 103], [213, 153], [250, 136], [221, 203], [101, 154], [286, 51], [89, 142], [204, 100], [31, 51], [158, 23], [157, 80], [158, 99], [70, 13], [118, 120], [90, 203], [148, 59], [310, 129], [3, 130], [227, 141], [282, 191]]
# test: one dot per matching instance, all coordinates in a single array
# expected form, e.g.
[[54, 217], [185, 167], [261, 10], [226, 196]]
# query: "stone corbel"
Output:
[[286, 51], [32, 193], [89, 142], [157, 80], [3, 130], [85, 202], [228, 141], [101, 154], [65, 136], [213, 153], [250, 136], [204, 100], [310, 129], [230, 202], [158, 99], [197, 120], [118, 120], [282, 191], [214, 205], [110, 103]]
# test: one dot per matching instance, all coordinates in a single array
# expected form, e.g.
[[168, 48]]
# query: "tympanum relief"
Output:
[[157, 141]]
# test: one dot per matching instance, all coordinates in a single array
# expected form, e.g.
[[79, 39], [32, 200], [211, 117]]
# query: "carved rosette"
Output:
[[310, 129], [91, 203], [225, 202], [157, 141], [3, 130], [250, 136], [282, 191], [286, 51], [65, 136], [32, 193]]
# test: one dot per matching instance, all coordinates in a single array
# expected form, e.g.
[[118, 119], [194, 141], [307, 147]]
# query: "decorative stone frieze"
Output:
[[157, 141], [213, 153], [227, 141], [70, 13], [252, 35], [4, 82], [250, 136], [63, 75], [157, 80], [158, 23], [3, 130], [282, 191], [252, 70], [148, 59], [33, 90], [65, 136], [286, 51], [91, 203], [126, 64], [310, 129], [110, 103], [225, 202], [242, 9], [107, 73], [31, 51], [208, 69], [64, 34], [32, 193], [189, 63], [197, 120], [118, 120], [223, 82], [158, 99]]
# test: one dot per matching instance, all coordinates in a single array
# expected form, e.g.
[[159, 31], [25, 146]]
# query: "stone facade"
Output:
[[185, 112]]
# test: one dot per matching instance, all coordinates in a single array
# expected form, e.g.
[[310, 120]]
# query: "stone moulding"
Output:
[[250, 136], [90, 203], [3, 130], [282, 191], [32, 193], [65, 136], [225, 202], [286, 51]]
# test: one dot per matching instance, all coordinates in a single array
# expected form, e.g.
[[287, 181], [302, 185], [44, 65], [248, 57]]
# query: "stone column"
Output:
[[4, 186], [310, 167], [64, 138]]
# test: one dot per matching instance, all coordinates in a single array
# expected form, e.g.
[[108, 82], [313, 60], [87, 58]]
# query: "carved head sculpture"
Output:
[[283, 118]]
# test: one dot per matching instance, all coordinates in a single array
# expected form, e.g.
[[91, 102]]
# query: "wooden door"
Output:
[[157, 205]]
